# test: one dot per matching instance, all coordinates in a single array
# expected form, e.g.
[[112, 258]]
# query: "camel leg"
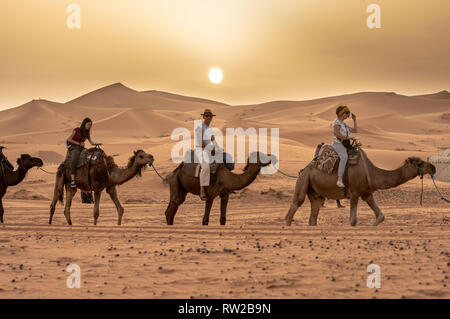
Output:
[[1, 209], [97, 195], [353, 209], [223, 208], [112, 191], [57, 194], [379, 217], [52, 209], [173, 207], [316, 203], [70, 193], [177, 197], [301, 188], [208, 206]]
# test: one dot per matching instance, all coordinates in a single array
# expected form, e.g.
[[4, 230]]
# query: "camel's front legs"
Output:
[[353, 209], [112, 191], [379, 217], [97, 195], [70, 193], [208, 206], [223, 208], [316, 204]]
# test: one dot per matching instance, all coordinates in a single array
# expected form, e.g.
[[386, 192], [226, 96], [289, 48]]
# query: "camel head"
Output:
[[261, 159], [420, 166], [140, 159], [26, 161]]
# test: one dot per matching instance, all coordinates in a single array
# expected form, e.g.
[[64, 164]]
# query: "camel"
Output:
[[222, 184], [8, 177], [360, 182], [100, 178]]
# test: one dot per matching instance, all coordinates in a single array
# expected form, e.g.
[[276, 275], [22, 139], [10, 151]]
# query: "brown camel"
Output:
[[101, 178], [221, 184], [8, 177], [359, 183]]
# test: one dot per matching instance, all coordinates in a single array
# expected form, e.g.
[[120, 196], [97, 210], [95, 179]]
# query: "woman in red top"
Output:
[[76, 140]]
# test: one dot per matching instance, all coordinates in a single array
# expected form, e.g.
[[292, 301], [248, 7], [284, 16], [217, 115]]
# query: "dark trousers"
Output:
[[75, 151]]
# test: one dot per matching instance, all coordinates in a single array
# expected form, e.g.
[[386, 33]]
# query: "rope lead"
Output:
[[439, 192]]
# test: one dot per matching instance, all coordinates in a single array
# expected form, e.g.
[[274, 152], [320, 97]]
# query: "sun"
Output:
[[215, 75]]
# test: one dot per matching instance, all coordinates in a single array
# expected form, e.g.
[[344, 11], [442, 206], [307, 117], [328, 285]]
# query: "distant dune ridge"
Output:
[[392, 126]]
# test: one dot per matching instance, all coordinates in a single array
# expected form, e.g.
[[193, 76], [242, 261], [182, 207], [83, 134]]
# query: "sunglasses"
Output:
[[207, 115]]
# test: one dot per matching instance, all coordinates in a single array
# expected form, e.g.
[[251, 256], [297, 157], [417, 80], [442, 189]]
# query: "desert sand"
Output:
[[255, 255]]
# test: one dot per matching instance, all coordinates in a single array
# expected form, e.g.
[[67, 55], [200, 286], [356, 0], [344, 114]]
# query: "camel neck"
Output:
[[122, 175], [385, 179], [15, 177], [233, 181]]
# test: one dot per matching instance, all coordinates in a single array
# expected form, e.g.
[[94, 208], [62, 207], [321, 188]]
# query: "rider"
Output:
[[76, 145], [205, 139], [341, 132]]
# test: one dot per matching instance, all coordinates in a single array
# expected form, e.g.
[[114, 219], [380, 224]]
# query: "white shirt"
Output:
[[344, 130], [202, 132]]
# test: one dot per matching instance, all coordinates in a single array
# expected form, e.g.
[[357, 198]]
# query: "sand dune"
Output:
[[255, 255], [122, 116]]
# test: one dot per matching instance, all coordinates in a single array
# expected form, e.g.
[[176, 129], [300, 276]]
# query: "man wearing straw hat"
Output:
[[204, 138]]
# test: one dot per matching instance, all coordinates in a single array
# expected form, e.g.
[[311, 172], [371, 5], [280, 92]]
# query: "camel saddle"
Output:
[[192, 167], [87, 156], [327, 160]]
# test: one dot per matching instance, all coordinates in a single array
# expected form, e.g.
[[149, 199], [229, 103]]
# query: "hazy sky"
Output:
[[267, 49]]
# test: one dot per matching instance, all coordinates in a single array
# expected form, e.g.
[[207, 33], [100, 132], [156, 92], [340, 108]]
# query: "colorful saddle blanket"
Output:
[[327, 159]]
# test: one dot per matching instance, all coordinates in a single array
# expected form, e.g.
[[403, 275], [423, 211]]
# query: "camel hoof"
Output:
[[353, 223], [379, 220]]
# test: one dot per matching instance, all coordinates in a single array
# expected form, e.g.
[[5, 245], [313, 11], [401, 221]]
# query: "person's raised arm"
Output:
[[355, 125]]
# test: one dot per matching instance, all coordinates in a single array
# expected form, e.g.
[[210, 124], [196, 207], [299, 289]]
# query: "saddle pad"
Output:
[[92, 153], [328, 159], [193, 169]]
